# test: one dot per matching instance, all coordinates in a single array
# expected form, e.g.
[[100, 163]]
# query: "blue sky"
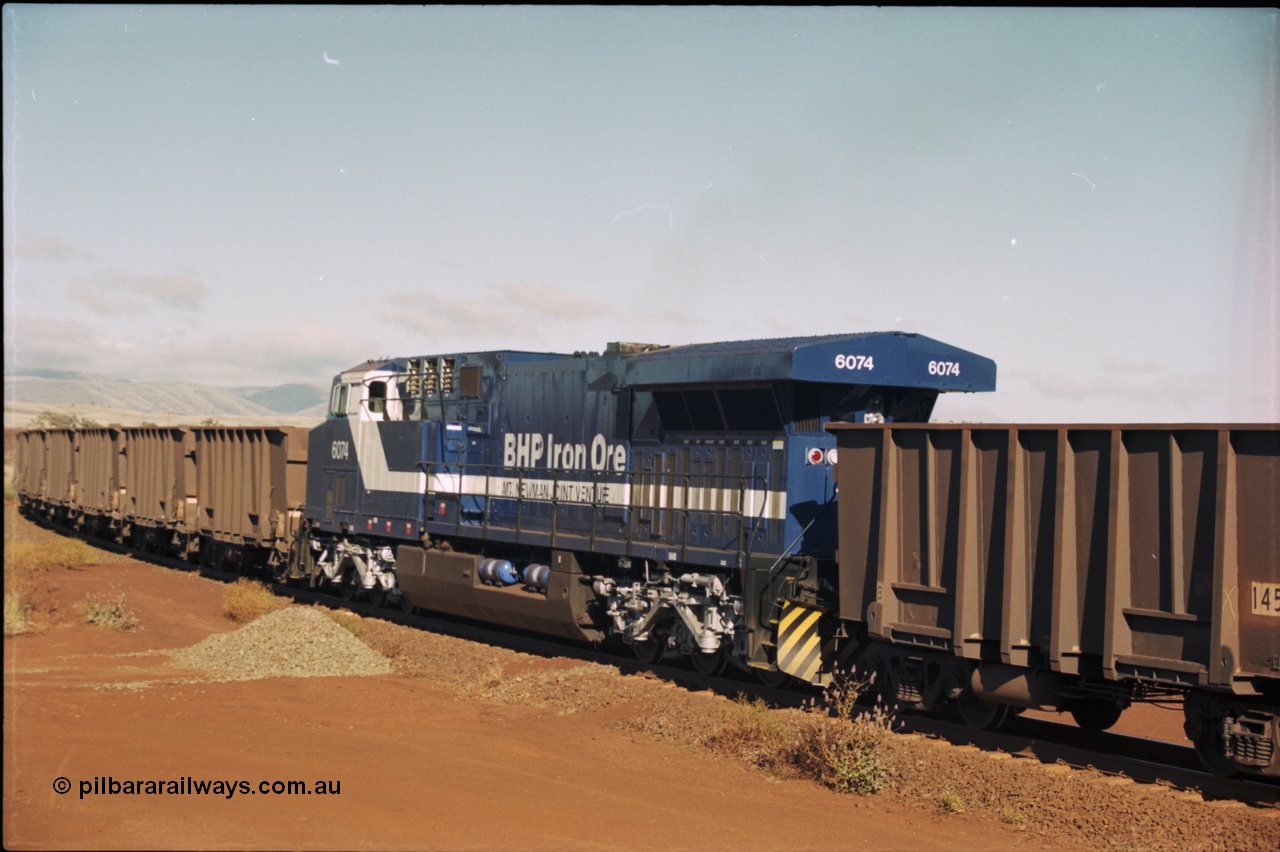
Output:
[[239, 195]]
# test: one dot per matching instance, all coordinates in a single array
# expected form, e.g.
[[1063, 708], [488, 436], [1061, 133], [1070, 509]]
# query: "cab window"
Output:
[[338, 401], [377, 397]]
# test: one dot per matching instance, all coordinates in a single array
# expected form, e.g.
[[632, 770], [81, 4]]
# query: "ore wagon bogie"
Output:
[[682, 501]]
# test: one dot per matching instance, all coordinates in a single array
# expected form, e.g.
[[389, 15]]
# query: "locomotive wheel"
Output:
[[1095, 714], [982, 715], [708, 664], [348, 585], [377, 596], [648, 651]]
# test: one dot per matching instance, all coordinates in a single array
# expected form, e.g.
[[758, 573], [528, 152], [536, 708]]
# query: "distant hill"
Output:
[[289, 399], [171, 400], [49, 374], [22, 415]]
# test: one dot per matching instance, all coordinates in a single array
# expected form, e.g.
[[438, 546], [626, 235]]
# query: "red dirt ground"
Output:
[[418, 767]]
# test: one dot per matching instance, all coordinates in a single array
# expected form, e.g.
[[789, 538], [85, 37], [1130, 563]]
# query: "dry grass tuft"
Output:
[[17, 614], [352, 624], [28, 558], [246, 600], [24, 562], [110, 613], [1013, 816], [951, 803], [825, 742]]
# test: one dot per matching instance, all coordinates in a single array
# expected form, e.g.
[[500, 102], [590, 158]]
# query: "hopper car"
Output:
[[682, 501], [1080, 568]]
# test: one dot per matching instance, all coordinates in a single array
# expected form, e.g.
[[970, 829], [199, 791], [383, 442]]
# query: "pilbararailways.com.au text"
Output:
[[106, 785]]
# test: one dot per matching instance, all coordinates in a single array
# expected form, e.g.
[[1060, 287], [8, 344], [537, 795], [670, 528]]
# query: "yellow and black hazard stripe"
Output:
[[801, 649]]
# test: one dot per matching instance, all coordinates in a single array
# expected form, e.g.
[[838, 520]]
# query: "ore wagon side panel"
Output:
[[1253, 463], [154, 476], [29, 465], [60, 469], [247, 481], [1144, 552], [98, 472]]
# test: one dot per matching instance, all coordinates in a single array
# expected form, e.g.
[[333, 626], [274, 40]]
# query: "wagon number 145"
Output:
[[1266, 599]]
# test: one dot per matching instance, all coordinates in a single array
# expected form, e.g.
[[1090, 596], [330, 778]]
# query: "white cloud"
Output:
[[46, 247], [113, 293], [526, 310], [310, 353]]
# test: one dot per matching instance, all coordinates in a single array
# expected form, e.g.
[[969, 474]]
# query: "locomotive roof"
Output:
[[886, 358]]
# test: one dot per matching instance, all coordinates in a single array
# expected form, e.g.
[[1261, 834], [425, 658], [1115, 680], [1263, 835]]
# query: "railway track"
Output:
[[1133, 758], [1122, 757]]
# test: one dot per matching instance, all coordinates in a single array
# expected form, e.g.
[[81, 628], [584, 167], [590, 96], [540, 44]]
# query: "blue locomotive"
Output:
[[669, 496]]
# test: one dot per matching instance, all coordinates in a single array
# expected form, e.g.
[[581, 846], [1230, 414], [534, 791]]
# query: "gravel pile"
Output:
[[293, 642]]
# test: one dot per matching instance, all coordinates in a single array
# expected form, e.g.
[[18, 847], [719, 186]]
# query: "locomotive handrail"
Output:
[[652, 491], [825, 506]]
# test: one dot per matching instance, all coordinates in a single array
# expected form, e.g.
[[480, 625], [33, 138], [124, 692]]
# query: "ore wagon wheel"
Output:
[[771, 678], [1095, 714], [982, 715], [1206, 734], [886, 684]]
